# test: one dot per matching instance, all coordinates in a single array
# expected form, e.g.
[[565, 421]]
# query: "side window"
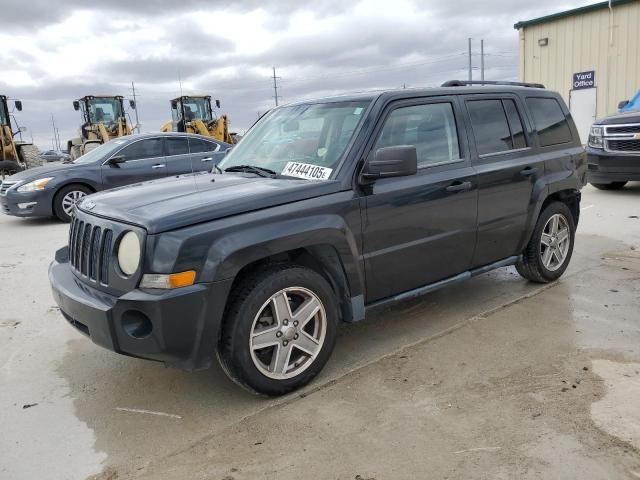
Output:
[[431, 128], [201, 146], [490, 126], [515, 124], [550, 121], [176, 145], [149, 148]]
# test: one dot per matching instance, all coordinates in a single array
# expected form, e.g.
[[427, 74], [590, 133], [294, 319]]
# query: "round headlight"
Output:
[[129, 253]]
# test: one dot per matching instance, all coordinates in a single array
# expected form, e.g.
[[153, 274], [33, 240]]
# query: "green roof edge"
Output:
[[569, 13]]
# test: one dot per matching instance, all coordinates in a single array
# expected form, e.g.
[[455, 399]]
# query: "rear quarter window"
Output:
[[550, 121]]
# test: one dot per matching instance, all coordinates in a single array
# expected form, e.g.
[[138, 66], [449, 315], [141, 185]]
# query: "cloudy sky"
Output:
[[58, 50]]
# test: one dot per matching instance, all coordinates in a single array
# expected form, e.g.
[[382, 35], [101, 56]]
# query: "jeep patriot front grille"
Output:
[[90, 249]]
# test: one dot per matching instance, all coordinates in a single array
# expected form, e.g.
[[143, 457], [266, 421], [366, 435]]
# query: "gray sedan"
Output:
[[53, 190]]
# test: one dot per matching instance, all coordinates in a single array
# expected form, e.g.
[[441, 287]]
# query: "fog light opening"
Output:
[[136, 324]]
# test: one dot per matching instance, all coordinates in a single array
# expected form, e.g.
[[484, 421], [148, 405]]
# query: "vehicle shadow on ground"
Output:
[[140, 410]]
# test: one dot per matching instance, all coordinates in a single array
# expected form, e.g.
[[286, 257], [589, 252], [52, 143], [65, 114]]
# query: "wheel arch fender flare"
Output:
[[326, 237]]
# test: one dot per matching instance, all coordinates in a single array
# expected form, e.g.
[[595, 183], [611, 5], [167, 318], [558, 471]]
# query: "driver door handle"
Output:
[[207, 159], [527, 172], [159, 165], [459, 186]]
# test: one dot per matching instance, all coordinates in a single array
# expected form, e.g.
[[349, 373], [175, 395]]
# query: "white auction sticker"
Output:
[[305, 170]]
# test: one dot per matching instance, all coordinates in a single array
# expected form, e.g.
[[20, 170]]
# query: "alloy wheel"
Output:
[[555, 242], [70, 200], [288, 333]]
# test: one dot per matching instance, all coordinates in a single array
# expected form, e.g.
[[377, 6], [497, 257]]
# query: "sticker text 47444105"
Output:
[[306, 170]]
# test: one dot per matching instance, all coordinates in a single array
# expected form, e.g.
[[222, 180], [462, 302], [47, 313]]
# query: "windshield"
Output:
[[295, 140], [104, 110], [101, 153], [196, 109]]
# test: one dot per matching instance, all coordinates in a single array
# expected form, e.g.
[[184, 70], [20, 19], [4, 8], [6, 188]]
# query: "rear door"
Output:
[[144, 160], [204, 154], [177, 154], [508, 168], [421, 228]]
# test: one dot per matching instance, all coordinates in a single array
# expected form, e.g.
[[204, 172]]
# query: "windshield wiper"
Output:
[[263, 172]]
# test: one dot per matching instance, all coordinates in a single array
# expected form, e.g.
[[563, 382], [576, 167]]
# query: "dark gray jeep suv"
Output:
[[325, 210]]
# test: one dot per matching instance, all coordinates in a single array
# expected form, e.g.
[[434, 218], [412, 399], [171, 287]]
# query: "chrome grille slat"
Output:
[[84, 259], [77, 244], [93, 252], [105, 253], [622, 129]]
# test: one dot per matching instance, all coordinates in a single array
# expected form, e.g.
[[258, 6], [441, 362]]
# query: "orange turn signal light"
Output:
[[182, 279]]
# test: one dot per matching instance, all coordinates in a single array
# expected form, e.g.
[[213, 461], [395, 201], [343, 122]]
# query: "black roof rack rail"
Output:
[[464, 83]]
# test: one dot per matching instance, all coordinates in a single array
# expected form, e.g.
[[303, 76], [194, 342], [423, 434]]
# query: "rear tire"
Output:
[[8, 168], [609, 186], [549, 250], [279, 329], [30, 156], [66, 198]]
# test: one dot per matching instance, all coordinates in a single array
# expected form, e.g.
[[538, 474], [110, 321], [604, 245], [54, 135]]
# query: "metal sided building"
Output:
[[591, 55]]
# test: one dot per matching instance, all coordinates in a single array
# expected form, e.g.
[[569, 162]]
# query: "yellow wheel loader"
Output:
[[15, 155], [103, 119], [195, 115]]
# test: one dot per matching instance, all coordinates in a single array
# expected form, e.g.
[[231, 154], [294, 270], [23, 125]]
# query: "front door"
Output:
[[421, 228], [144, 160], [508, 169]]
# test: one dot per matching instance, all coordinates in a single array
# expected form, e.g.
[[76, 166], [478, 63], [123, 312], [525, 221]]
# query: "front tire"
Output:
[[30, 155], [549, 250], [66, 199], [279, 330], [609, 186]]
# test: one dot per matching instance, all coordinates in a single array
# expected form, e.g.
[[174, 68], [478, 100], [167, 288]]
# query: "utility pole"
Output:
[[56, 134], [482, 60], [133, 94], [470, 63], [275, 86]]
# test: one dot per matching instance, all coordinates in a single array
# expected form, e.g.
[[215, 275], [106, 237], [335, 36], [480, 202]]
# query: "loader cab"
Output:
[[105, 110], [189, 109]]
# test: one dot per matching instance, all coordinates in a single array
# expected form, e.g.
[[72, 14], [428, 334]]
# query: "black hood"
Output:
[[176, 202], [39, 172], [620, 118]]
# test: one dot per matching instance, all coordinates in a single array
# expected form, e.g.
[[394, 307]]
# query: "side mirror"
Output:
[[132, 104], [226, 152], [397, 161], [174, 104], [217, 103], [18, 104], [117, 160], [76, 105], [623, 104]]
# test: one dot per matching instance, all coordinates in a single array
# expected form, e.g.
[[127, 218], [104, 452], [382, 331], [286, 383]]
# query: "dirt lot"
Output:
[[495, 378]]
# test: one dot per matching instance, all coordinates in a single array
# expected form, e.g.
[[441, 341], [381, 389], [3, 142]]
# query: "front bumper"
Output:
[[178, 327], [31, 204], [607, 167]]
